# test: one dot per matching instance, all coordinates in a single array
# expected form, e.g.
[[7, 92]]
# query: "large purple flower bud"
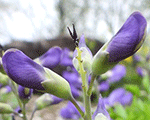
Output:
[[24, 93], [23, 70], [128, 39], [124, 44], [51, 58]]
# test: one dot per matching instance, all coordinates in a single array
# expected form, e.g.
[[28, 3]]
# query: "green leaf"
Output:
[[146, 83], [120, 111], [134, 89]]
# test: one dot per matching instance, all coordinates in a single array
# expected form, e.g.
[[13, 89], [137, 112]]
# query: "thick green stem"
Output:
[[87, 101], [89, 92]]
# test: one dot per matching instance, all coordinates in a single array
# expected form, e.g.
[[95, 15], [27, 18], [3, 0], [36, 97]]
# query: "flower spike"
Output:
[[74, 35]]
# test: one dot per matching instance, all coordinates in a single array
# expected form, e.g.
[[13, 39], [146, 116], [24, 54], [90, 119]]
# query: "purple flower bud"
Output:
[[70, 112], [101, 109], [128, 39], [51, 58], [66, 59], [55, 99], [24, 93], [46, 100], [117, 73], [22, 70]]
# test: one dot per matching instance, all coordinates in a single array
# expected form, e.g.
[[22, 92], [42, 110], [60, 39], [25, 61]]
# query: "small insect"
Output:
[[74, 35]]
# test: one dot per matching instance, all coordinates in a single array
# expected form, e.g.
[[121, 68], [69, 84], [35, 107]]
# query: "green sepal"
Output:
[[57, 85], [5, 108], [101, 63]]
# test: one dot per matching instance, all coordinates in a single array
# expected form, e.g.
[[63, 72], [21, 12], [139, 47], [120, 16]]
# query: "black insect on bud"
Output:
[[74, 35]]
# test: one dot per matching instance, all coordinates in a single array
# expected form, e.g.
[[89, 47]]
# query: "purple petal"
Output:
[[22, 70], [66, 59], [118, 72], [51, 58], [128, 39], [101, 109]]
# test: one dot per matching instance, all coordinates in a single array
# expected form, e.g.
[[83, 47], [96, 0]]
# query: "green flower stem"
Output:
[[78, 108], [15, 91], [24, 112], [22, 106], [33, 113], [89, 92], [87, 101]]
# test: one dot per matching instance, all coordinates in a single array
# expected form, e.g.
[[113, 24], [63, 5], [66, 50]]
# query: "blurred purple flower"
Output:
[[119, 95], [75, 92], [104, 86], [126, 99], [128, 39], [66, 59], [140, 71], [51, 58], [24, 93], [70, 112], [136, 58], [101, 109], [23, 70], [73, 78], [117, 73]]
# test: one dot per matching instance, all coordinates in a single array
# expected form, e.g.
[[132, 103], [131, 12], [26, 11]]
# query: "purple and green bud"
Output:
[[86, 56], [27, 73], [23, 70], [5, 89], [24, 93], [101, 112], [124, 44], [46, 100]]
